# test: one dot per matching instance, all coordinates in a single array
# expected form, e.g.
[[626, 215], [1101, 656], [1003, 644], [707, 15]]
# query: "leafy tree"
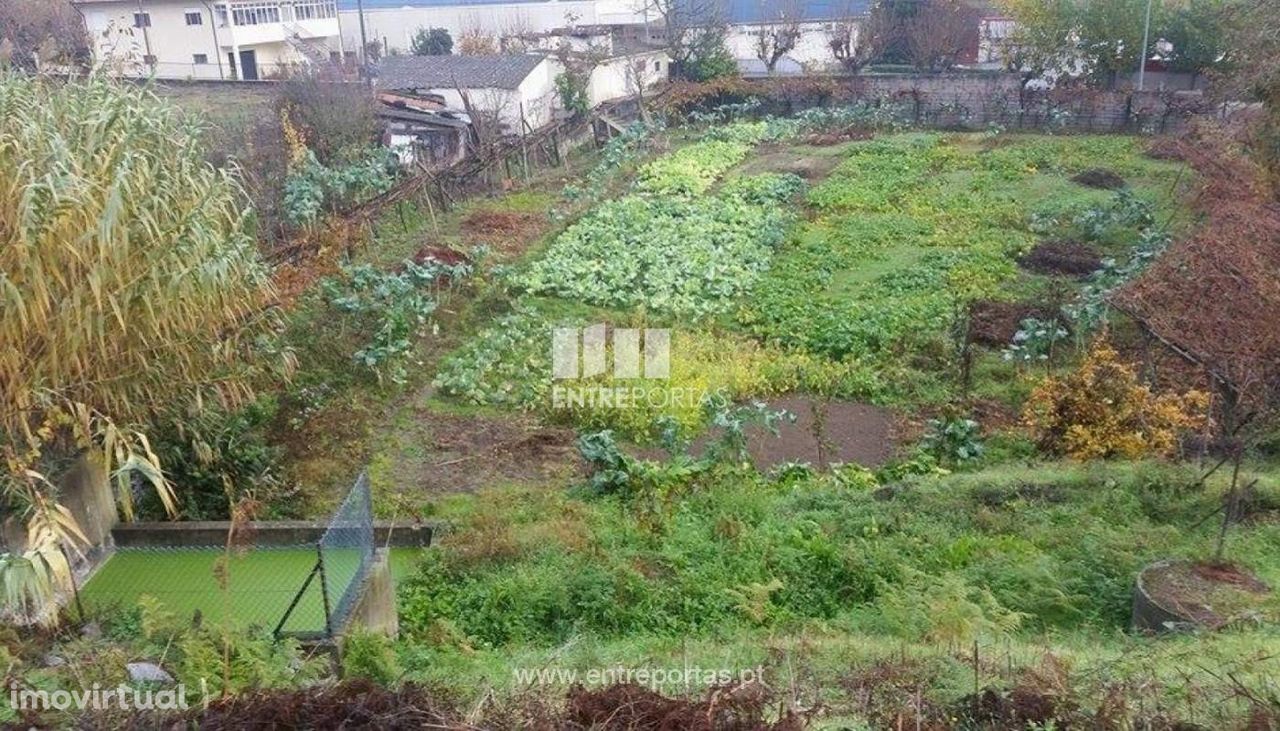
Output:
[[712, 61], [1100, 39], [132, 293], [696, 31], [1042, 40], [1197, 31], [572, 90], [1253, 31], [432, 42]]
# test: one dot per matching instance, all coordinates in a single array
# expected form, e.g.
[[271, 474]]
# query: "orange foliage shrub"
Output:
[[1101, 410]]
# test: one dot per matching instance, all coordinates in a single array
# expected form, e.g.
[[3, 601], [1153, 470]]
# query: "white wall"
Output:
[[812, 49], [612, 79], [397, 26], [538, 95], [122, 48]]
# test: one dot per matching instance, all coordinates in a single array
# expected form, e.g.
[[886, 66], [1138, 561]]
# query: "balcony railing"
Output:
[[270, 13]]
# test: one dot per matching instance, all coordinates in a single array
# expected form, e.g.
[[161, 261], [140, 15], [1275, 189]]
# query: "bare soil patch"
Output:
[[993, 323], [791, 160], [486, 223], [447, 452], [1063, 258], [1211, 594], [1166, 148], [507, 232], [1099, 178], [822, 434], [841, 432], [826, 139]]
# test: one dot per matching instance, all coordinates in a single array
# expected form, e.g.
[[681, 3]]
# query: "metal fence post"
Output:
[[324, 592]]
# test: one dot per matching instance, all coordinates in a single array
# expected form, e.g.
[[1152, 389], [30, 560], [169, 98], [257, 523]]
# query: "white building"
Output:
[[626, 74], [519, 91], [204, 39], [812, 51], [393, 28]]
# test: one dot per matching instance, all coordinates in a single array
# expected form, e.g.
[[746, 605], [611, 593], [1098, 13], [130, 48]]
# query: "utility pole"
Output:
[[1146, 40], [364, 42]]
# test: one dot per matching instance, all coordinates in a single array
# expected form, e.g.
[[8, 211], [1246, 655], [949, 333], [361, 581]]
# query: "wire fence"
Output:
[[306, 590], [346, 552]]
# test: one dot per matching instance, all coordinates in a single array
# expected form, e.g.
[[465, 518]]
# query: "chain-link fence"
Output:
[[306, 588], [346, 552]]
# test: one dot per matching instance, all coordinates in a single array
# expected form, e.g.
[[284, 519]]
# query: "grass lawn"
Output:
[[262, 583]]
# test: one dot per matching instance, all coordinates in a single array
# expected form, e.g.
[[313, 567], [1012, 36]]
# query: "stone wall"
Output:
[[978, 100]]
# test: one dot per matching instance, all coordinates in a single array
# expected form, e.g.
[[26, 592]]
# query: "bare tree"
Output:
[[33, 32], [856, 42], [476, 40], [939, 32], [778, 37], [638, 78], [516, 36]]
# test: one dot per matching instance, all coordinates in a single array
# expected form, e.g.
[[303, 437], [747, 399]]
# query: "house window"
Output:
[[256, 14], [194, 17], [200, 59], [315, 9], [657, 65], [142, 20], [149, 60]]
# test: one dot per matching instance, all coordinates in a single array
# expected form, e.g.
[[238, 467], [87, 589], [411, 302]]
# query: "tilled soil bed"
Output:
[[1062, 258], [994, 324]]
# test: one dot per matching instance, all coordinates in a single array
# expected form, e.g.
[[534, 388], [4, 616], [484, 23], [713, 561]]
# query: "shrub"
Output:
[[335, 119], [370, 655], [1102, 411], [953, 439], [432, 42], [393, 307]]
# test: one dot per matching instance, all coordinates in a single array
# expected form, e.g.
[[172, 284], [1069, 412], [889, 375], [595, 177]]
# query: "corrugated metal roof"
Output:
[[759, 11], [468, 72], [739, 11]]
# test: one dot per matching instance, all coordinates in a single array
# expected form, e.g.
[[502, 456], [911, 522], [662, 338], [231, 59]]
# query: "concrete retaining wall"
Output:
[[85, 491], [375, 610], [1151, 617], [213, 533]]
